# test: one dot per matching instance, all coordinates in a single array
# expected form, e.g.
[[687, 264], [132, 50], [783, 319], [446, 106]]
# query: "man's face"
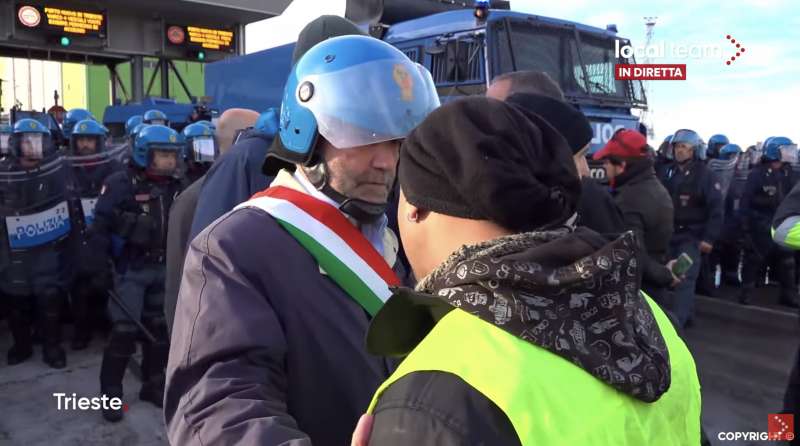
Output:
[[613, 170], [164, 162], [365, 172], [683, 152], [499, 90], [86, 145]]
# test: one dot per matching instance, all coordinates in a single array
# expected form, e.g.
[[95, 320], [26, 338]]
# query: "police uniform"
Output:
[[131, 223], [697, 200], [38, 229], [765, 189], [89, 171]]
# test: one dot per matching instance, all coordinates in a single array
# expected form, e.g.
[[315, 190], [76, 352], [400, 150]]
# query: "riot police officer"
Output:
[[201, 150], [664, 158], [728, 252], [131, 221], [697, 199], [715, 143], [38, 228], [73, 117], [91, 163], [5, 141], [767, 186], [131, 124], [155, 117]]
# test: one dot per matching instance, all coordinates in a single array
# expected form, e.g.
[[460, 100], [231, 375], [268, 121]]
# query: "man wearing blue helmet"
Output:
[[132, 122], [73, 117], [155, 117], [5, 141], [715, 143], [292, 276], [767, 185], [697, 200], [39, 221], [90, 164], [131, 225]]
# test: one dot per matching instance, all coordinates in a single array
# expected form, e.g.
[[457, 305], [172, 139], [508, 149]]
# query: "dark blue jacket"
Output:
[[124, 200], [697, 201], [233, 178], [265, 349], [763, 193]]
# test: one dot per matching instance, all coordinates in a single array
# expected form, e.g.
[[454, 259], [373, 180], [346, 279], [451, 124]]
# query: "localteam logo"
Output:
[[403, 80], [29, 16]]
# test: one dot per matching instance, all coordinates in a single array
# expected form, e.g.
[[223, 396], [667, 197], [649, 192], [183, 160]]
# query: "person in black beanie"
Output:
[[596, 208], [518, 317]]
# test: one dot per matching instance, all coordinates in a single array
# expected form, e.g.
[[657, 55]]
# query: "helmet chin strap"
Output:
[[362, 211]]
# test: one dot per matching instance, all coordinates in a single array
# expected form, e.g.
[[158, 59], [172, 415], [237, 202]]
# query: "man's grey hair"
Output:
[[533, 82]]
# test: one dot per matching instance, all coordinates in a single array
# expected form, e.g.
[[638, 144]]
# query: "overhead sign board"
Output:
[[52, 19], [213, 39]]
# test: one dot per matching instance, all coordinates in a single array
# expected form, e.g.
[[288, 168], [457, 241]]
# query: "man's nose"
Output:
[[386, 155]]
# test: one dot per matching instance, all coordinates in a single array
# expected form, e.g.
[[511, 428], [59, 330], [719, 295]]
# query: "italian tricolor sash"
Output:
[[338, 247]]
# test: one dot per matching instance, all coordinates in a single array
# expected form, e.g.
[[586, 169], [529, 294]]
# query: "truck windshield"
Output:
[[582, 63]]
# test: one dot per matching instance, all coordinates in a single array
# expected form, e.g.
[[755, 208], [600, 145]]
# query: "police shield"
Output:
[[34, 206], [88, 173]]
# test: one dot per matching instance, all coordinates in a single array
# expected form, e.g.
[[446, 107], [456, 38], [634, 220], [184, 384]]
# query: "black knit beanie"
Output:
[[568, 120], [480, 158]]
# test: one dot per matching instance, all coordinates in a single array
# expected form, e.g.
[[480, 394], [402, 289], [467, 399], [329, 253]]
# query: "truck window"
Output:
[[564, 54]]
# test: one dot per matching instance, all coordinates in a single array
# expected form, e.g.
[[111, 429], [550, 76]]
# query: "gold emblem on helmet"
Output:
[[404, 80], [172, 138], [83, 127]]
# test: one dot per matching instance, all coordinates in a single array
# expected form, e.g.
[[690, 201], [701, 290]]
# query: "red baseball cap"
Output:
[[624, 144]]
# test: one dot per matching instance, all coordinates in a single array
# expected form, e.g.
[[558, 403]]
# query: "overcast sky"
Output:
[[757, 96]]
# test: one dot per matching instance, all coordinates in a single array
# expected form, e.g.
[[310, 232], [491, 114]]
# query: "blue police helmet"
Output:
[[31, 139], [691, 138], [715, 143], [268, 122], [156, 117], [326, 94], [132, 122], [155, 136], [773, 145], [88, 128], [208, 124], [72, 118], [729, 151]]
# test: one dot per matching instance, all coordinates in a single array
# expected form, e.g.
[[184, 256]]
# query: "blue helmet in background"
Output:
[[152, 138], [155, 117], [691, 138], [31, 139], [268, 122], [729, 151], [72, 118], [208, 124], [132, 122], [353, 91], [200, 142], [84, 132], [715, 143], [779, 148], [5, 139]]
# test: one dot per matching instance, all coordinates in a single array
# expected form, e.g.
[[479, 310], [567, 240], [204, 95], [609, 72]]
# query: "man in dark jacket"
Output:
[[517, 313], [268, 336], [645, 204], [537, 92], [697, 201]]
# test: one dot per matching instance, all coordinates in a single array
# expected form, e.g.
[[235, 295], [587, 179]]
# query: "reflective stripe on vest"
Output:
[[551, 401]]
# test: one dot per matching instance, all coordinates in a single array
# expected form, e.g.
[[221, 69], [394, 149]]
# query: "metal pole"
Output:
[[180, 79], [128, 313], [137, 78], [164, 78]]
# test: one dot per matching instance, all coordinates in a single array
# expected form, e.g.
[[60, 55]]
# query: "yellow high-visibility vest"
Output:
[[551, 401]]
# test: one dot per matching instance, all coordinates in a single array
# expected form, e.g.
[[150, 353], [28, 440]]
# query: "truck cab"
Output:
[[464, 54]]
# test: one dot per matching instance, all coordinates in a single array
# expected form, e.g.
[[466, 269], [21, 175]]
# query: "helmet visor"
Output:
[[158, 122], [31, 145], [369, 103], [204, 149], [164, 161], [4, 143], [789, 153]]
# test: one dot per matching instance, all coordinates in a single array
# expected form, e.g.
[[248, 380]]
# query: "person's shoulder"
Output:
[[116, 183], [246, 231]]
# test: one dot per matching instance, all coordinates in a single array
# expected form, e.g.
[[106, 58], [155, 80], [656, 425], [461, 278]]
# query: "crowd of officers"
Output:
[[261, 331], [713, 202], [84, 237]]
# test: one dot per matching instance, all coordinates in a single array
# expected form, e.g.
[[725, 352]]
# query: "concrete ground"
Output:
[[743, 356]]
